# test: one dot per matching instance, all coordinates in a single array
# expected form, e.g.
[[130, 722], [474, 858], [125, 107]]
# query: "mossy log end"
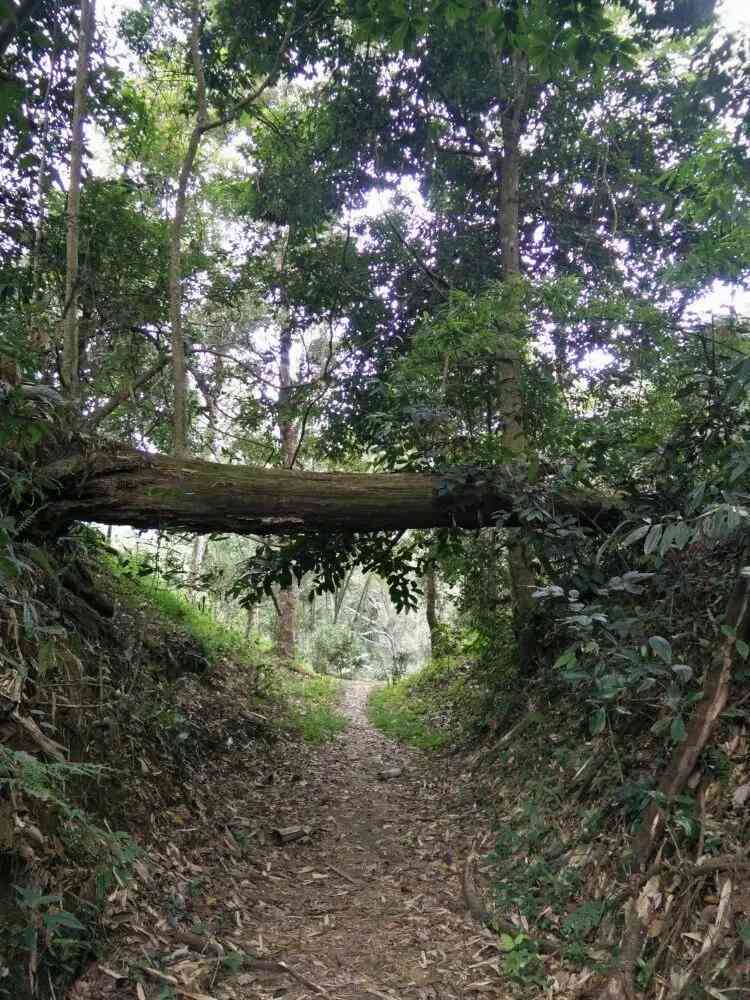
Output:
[[114, 484]]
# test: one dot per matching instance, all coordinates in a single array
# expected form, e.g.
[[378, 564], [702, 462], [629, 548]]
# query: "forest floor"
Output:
[[368, 903]]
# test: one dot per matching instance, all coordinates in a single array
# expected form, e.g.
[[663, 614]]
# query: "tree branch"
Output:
[[92, 421], [250, 99]]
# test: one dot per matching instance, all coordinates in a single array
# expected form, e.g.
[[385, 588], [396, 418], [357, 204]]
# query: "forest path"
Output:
[[368, 904], [372, 905]]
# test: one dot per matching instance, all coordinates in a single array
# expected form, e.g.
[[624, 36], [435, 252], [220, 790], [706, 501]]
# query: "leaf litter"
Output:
[[291, 871]]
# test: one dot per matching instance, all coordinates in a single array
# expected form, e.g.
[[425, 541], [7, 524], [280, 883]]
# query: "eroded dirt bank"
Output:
[[368, 904]]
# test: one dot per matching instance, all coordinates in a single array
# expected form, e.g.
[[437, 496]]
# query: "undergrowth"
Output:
[[313, 702], [53, 933], [456, 696], [137, 576], [309, 702], [108, 692], [413, 710]]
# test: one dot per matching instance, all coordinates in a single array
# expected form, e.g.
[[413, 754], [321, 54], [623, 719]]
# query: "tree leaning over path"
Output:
[[116, 484]]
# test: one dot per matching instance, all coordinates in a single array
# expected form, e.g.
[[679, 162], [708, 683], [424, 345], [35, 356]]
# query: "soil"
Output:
[[368, 903]]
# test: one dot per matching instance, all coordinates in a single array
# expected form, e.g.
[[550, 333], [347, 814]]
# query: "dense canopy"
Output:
[[450, 289]]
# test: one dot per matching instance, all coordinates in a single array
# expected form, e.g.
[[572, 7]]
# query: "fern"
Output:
[[40, 780]]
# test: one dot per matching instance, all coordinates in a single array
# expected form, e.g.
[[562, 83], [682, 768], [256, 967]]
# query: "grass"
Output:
[[313, 707], [310, 702], [401, 712], [216, 638], [433, 707]]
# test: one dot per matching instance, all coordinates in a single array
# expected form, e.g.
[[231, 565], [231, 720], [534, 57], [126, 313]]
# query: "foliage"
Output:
[[329, 558], [554, 36], [442, 405], [62, 931], [710, 189], [360, 208], [521, 961], [397, 712], [313, 707], [432, 707], [217, 639], [335, 649]]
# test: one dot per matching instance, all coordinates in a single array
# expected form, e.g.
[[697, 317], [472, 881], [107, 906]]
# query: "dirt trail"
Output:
[[369, 904], [389, 918]]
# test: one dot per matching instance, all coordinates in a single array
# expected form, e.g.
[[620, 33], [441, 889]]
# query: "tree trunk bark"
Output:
[[40, 338], [70, 358], [200, 544], [286, 645], [430, 598], [179, 367], [287, 432], [116, 484], [250, 620], [522, 575]]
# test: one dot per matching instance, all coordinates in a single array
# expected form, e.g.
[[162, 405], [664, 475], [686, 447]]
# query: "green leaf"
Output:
[[506, 942], [683, 671], [598, 721], [233, 961], [742, 648], [661, 648], [565, 659], [652, 539], [636, 534], [677, 730], [63, 919], [661, 726]]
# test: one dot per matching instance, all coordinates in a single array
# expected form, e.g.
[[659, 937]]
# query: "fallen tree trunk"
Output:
[[114, 484]]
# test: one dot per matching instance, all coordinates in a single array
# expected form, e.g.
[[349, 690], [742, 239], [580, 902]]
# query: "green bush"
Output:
[[337, 650], [313, 707], [216, 638], [61, 928], [455, 695], [397, 713]]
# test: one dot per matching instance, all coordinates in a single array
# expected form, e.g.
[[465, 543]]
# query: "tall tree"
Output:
[[489, 155], [203, 124], [288, 440], [179, 367], [70, 360]]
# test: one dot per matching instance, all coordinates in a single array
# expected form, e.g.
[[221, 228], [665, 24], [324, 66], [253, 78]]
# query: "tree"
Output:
[[115, 484], [541, 70], [430, 598], [70, 375], [288, 438], [229, 111]]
